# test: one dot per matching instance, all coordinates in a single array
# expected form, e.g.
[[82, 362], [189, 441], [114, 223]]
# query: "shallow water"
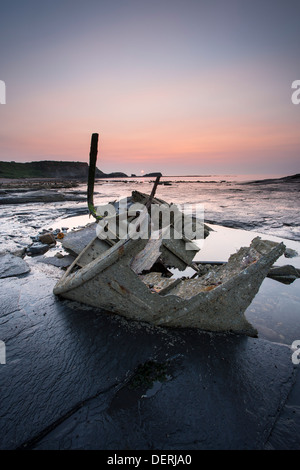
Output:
[[272, 209], [275, 310]]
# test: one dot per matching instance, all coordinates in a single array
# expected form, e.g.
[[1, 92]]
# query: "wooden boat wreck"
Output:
[[133, 278]]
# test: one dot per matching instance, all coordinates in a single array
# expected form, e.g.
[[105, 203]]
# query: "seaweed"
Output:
[[148, 373]]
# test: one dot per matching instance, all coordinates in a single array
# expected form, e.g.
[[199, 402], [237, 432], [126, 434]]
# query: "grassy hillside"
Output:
[[19, 170], [49, 169]]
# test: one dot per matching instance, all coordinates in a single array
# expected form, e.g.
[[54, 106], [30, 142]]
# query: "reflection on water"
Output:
[[224, 241], [275, 310]]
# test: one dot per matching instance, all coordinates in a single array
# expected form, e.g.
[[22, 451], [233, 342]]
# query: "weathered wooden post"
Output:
[[148, 203], [91, 175]]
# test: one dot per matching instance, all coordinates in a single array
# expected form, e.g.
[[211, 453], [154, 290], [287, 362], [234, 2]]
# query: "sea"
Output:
[[235, 208]]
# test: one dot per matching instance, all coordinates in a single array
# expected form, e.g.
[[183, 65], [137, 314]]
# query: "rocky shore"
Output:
[[40, 196], [25, 191], [77, 377], [26, 184]]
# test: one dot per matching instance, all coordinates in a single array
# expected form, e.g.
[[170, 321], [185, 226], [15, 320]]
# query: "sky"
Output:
[[178, 86]]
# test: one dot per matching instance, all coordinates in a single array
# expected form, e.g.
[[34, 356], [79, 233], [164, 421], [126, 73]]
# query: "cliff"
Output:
[[155, 174], [285, 179], [51, 169]]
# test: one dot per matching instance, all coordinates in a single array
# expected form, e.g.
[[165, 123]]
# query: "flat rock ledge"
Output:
[[11, 265]]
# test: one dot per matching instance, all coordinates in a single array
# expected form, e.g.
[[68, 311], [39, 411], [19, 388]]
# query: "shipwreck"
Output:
[[135, 278]]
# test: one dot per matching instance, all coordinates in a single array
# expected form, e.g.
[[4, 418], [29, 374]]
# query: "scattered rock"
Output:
[[20, 253], [289, 253], [286, 274], [11, 265], [75, 242], [47, 238], [63, 262], [37, 249], [41, 196]]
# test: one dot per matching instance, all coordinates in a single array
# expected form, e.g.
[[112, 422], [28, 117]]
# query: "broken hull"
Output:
[[109, 282]]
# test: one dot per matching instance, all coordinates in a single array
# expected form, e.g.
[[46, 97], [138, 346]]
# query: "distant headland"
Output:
[[55, 169], [285, 179]]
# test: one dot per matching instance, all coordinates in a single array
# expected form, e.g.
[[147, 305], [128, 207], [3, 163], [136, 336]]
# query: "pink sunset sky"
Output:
[[181, 87]]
